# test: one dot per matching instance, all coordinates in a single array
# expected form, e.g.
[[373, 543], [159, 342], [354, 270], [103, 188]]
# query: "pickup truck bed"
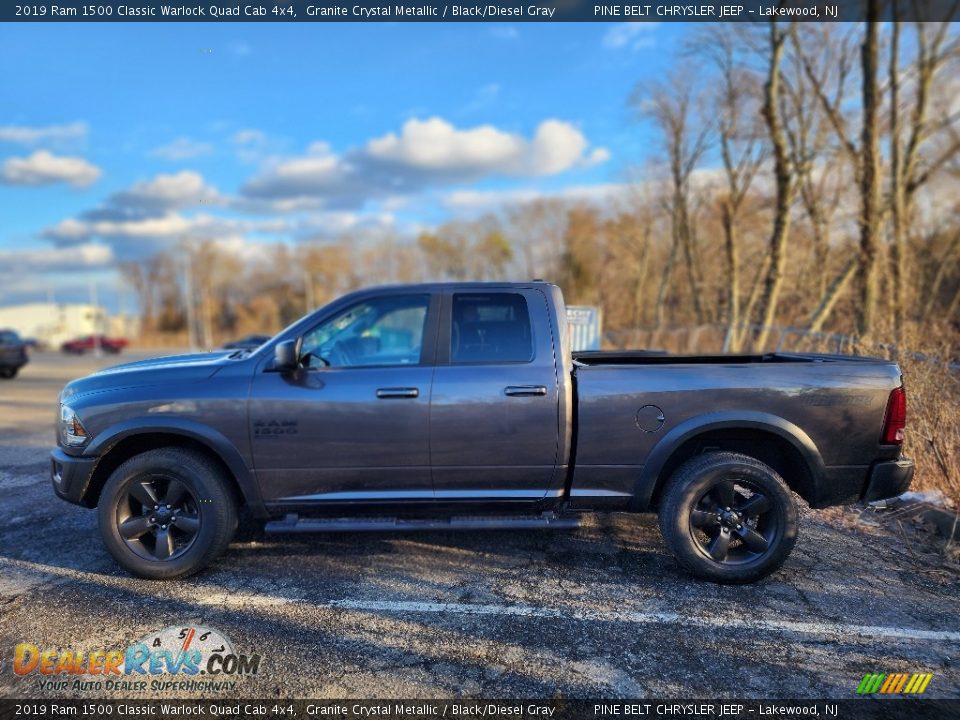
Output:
[[815, 417]]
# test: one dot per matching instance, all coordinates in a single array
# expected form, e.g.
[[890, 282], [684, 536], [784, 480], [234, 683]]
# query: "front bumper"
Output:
[[70, 476], [889, 479]]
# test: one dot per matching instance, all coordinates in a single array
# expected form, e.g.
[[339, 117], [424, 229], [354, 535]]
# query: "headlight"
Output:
[[72, 432]]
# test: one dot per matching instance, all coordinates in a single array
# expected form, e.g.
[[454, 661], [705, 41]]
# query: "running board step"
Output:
[[293, 523]]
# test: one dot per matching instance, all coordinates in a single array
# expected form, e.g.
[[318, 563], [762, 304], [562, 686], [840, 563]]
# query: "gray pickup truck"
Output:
[[461, 406]]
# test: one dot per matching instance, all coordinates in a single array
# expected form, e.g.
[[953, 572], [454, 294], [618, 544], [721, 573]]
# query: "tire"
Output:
[[166, 513], [719, 510], [8, 373]]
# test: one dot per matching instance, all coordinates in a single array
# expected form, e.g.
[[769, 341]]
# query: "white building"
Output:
[[55, 323]]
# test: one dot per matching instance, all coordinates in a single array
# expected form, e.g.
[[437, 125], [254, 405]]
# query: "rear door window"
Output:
[[490, 328]]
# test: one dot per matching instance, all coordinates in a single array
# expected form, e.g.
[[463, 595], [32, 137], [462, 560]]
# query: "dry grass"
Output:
[[933, 418]]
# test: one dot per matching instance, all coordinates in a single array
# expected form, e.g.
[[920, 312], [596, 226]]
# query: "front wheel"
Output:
[[728, 518], [8, 373], [166, 513]]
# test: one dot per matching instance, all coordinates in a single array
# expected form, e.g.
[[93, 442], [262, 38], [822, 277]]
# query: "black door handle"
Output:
[[392, 393], [525, 390]]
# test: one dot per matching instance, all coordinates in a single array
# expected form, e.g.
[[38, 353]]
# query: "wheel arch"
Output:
[[135, 437], [768, 438]]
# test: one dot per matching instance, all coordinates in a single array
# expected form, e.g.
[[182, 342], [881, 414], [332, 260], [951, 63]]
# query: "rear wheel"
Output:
[[728, 518], [166, 513], [8, 373]]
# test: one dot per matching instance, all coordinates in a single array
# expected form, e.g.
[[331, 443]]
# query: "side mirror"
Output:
[[287, 355]]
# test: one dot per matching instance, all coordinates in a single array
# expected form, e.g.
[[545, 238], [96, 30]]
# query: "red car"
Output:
[[89, 343]]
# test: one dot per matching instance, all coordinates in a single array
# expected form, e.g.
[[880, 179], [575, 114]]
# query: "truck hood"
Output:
[[155, 371]]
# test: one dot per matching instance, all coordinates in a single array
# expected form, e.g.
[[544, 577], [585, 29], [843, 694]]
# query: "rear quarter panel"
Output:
[[834, 409]]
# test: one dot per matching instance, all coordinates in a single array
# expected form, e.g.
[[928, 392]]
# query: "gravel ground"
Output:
[[600, 612]]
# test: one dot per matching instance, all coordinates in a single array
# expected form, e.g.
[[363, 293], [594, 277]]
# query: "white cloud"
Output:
[[182, 148], [630, 35], [598, 156], [248, 136], [163, 227], [556, 146], [254, 145], [140, 236], [45, 168], [478, 200], [488, 199], [166, 192], [147, 200], [90, 255], [424, 153], [484, 97], [146, 216], [435, 144], [26, 135], [330, 224]]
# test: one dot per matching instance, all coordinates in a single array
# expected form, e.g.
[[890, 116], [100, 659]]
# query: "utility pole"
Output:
[[188, 292], [308, 290], [97, 320]]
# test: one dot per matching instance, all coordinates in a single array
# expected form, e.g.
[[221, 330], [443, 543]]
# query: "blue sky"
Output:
[[116, 139]]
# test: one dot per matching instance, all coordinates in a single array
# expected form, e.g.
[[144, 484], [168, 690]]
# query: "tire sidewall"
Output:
[[205, 489]]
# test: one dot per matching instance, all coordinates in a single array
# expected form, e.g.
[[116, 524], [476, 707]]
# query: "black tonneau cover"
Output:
[[659, 357]]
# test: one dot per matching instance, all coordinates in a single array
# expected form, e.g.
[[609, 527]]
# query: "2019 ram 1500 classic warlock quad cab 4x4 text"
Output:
[[461, 406]]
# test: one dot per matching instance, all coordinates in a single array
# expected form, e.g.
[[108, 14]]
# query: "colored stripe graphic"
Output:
[[894, 683], [901, 682], [870, 683]]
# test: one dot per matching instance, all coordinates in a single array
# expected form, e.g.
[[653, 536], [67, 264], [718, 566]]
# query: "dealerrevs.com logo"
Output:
[[191, 658]]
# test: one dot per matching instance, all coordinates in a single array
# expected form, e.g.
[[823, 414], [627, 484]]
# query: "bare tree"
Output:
[[535, 229], [742, 152], [869, 172], [686, 133], [444, 253], [785, 179], [908, 172], [581, 261]]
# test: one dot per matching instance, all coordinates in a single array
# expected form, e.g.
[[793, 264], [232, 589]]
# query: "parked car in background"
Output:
[[13, 354], [89, 343], [250, 342]]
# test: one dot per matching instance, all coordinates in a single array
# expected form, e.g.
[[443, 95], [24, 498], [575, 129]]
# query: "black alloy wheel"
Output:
[[159, 519], [728, 517], [732, 521]]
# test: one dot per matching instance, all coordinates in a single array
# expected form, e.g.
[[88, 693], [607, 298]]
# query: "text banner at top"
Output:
[[465, 11]]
